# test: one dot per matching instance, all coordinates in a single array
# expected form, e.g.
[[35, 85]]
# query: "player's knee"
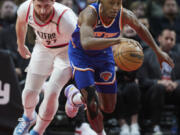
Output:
[[27, 93], [51, 95], [108, 108], [52, 91], [30, 98], [92, 102], [93, 108]]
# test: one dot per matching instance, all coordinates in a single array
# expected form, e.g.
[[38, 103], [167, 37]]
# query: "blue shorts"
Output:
[[88, 70]]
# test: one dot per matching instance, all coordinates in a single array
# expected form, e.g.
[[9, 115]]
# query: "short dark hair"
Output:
[[167, 28]]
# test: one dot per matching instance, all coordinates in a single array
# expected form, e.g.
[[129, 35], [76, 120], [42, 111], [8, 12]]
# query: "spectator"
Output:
[[138, 8], [71, 4], [8, 13], [128, 32], [159, 85], [68, 3], [18, 2], [9, 42], [169, 19], [127, 106], [145, 21], [154, 8], [81, 4]]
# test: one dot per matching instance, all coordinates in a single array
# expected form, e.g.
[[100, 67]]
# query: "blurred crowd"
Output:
[[142, 94]]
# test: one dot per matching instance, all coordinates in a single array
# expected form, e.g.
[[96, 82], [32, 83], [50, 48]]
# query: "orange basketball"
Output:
[[128, 56]]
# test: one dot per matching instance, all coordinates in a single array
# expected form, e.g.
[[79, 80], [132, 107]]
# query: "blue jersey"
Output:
[[100, 31], [95, 67]]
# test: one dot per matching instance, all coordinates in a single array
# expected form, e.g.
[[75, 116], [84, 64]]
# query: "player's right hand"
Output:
[[24, 52], [131, 41]]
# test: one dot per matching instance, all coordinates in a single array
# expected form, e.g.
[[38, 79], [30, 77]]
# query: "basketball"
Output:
[[128, 56]]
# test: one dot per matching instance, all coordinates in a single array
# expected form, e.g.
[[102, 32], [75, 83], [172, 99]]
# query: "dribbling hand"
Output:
[[131, 41], [24, 52], [164, 57]]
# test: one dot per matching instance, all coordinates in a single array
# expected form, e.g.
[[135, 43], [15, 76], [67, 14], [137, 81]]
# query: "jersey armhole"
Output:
[[27, 15], [121, 15], [59, 19]]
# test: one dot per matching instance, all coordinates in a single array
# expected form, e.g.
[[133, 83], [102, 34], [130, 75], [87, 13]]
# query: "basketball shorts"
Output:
[[44, 60], [89, 71]]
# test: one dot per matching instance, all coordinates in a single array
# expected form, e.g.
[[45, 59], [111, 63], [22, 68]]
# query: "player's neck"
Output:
[[105, 17]]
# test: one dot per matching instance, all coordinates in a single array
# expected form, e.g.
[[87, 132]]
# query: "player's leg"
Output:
[[84, 78], [30, 98], [94, 113], [49, 105], [74, 97], [82, 127], [106, 86], [35, 78], [107, 100], [90, 99], [88, 96], [60, 76]]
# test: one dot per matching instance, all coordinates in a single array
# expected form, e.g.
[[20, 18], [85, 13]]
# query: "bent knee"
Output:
[[27, 93], [108, 109]]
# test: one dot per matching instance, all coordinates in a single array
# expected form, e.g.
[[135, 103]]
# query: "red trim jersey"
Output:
[[56, 32]]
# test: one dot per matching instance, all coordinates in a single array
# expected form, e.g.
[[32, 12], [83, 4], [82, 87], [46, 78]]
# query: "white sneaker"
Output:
[[70, 109], [124, 130], [135, 129], [157, 130], [84, 129], [24, 125]]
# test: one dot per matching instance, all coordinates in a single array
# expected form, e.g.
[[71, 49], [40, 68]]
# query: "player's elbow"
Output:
[[86, 47], [141, 29], [85, 44]]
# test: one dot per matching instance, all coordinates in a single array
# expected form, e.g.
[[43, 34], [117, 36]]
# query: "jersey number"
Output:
[[50, 41]]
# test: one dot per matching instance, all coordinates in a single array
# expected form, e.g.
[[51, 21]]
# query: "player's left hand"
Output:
[[164, 57]]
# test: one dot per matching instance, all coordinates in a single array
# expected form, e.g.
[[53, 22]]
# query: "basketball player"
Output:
[[91, 58], [53, 24]]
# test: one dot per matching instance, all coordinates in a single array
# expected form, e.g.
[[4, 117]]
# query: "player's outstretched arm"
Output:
[[87, 20], [21, 30], [130, 19]]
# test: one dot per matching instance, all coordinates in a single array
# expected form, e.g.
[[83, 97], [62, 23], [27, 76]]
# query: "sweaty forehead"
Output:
[[43, 2]]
